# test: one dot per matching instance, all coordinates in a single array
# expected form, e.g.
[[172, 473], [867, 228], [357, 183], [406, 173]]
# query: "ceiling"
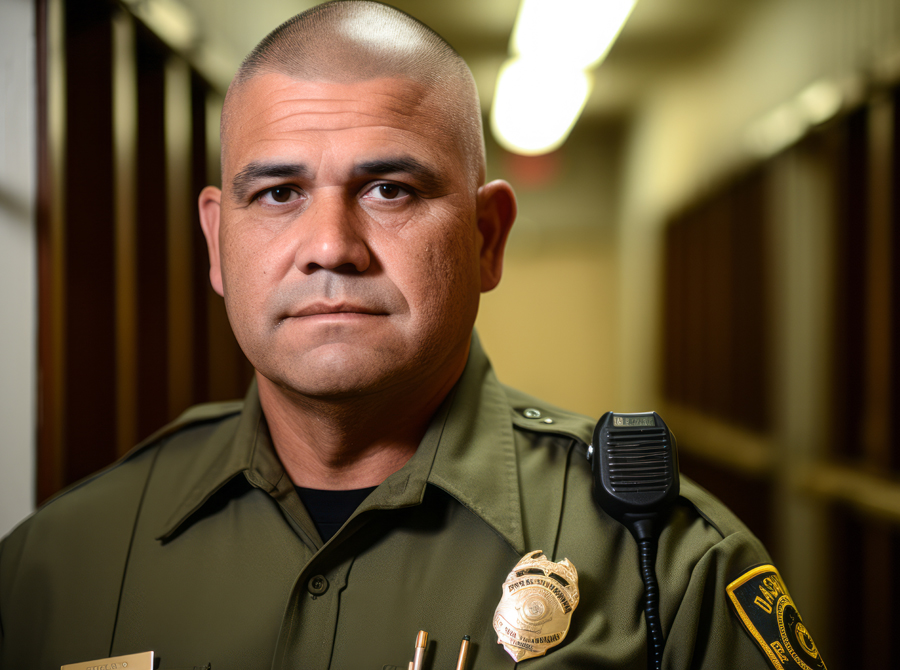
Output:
[[660, 36]]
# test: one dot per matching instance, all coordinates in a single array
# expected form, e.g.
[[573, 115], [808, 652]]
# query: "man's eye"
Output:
[[388, 192], [278, 195]]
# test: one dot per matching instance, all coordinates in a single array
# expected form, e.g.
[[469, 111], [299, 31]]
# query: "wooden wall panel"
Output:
[[893, 214], [831, 491], [152, 239], [852, 207], [717, 354], [750, 365], [125, 127], [716, 322], [878, 329], [180, 238], [89, 246], [50, 25], [130, 333], [861, 633], [202, 293]]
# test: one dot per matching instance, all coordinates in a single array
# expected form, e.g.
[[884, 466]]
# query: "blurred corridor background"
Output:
[[717, 240]]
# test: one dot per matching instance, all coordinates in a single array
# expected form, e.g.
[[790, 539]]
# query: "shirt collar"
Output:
[[476, 461], [468, 450], [226, 453]]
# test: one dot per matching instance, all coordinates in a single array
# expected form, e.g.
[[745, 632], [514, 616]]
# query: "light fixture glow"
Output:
[[542, 89], [536, 105], [575, 32]]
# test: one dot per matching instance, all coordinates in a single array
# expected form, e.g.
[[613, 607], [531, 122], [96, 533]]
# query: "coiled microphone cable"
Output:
[[635, 469]]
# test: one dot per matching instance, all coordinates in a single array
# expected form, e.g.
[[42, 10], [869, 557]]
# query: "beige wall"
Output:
[[550, 327]]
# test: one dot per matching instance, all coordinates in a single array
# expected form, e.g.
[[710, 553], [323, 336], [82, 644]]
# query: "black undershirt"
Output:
[[330, 509]]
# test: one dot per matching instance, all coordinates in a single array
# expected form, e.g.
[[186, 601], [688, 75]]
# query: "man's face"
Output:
[[346, 240]]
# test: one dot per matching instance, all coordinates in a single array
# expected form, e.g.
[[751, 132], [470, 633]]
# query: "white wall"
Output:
[[18, 279]]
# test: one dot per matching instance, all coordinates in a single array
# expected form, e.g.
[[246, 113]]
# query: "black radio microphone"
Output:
[[635, 469]]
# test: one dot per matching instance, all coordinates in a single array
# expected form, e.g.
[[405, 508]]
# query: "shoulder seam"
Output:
[[189, 417], [550, 419], [703, 515]]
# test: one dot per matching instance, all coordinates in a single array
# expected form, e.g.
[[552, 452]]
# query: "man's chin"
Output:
[[331, 376]]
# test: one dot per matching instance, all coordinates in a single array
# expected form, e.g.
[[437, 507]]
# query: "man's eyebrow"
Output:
[[426, 175], [243, 181]]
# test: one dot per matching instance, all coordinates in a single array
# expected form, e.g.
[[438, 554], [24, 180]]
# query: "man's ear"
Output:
[[496, 214], [210, 216]]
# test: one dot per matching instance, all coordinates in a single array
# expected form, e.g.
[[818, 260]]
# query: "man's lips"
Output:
[[323, 308]]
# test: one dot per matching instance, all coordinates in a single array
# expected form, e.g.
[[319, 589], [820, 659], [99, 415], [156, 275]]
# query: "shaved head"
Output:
[[354, 234], [350, 41]]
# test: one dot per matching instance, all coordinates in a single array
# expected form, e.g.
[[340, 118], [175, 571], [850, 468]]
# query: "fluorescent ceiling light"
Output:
[[536, 105], [541, 91], [579, 32]]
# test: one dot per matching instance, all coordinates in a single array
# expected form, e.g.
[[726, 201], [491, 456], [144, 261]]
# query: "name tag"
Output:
[[142, 661]]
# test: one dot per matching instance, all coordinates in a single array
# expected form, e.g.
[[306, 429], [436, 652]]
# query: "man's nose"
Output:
[[331, 238]]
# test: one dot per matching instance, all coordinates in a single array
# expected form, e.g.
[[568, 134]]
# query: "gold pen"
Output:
[[421, 641], [463, 653]]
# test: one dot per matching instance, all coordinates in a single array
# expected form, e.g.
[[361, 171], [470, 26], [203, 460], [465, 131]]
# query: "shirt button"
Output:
[[317, 585], [532, 413]]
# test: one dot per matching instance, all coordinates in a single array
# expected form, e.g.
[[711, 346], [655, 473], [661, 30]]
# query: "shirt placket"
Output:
[[310, 619]]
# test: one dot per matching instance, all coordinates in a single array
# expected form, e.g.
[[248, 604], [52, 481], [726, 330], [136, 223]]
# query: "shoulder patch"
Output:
[[766, 610]]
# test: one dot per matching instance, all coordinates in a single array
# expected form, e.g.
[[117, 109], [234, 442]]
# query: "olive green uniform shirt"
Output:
[[197, 547]]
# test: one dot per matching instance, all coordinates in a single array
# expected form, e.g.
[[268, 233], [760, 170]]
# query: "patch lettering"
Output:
[[769, 615]]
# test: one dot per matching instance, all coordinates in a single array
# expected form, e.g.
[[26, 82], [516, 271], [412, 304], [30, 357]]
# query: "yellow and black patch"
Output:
[[764, 606]]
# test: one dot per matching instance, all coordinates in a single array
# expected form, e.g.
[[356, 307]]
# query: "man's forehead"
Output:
[[274, 116], [275, 99]]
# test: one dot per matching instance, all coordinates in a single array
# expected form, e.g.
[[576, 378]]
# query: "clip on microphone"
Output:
[[635, 469]]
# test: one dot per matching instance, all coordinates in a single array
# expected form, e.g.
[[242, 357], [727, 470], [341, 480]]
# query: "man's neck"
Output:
[[346, 444]]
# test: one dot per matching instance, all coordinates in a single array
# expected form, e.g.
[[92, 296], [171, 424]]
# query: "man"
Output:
[[377, 480]]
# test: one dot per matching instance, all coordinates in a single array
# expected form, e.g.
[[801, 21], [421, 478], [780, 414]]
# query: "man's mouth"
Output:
[[336, 308]]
